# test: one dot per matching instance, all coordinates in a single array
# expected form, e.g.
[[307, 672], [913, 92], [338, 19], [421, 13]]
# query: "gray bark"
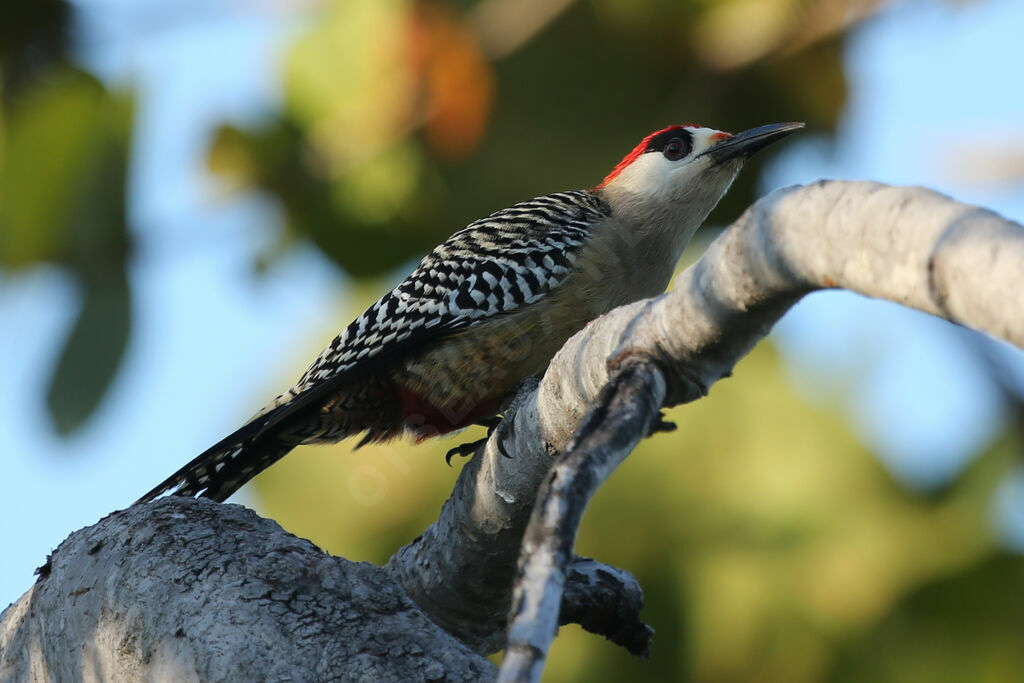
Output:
[[908, 245], [625, 413], [191, 590]]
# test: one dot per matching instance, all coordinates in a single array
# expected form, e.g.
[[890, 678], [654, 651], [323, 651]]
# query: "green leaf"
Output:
[[59, 141], [97, 251], [63, 201], [91, 354]]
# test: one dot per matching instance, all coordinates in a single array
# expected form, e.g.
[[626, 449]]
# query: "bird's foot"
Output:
[[495, 423], [490, 422], [463, 450], [469, 448], [663, 425]]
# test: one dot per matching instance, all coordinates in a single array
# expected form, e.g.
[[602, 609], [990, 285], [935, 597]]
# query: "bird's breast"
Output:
[[466, 376]]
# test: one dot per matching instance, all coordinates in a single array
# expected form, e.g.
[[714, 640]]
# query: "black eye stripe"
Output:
[[658, 142]]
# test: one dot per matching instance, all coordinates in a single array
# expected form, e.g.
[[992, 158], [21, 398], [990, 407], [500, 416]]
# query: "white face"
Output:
[[668, 183], [675, 167]]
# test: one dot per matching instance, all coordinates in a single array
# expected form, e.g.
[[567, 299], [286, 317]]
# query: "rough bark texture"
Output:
[[189, 590], [607, 601]]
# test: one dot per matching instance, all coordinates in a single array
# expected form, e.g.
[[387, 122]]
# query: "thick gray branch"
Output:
[[189, 590], [908, 245], [184, 590]]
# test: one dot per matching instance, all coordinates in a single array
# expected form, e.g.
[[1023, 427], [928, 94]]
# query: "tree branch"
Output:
[[181, 588], [908, 245], [626, 412]]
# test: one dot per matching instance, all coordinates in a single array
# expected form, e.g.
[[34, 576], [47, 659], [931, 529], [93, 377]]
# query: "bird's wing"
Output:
[[497, 264]]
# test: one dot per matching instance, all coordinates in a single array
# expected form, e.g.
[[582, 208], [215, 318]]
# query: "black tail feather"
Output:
[[222, 469], [226, 466]]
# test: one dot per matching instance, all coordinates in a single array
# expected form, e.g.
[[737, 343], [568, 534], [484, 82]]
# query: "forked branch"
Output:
[[908, 245], [186, 588]]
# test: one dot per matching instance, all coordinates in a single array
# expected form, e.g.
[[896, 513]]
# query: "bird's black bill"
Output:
[[749, 142]]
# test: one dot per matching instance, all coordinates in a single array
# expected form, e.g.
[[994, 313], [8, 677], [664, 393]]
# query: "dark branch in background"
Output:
[[626, 411], [606, 601]]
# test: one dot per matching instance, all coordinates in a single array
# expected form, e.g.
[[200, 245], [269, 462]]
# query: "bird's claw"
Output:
[[463, 450], [663, 425], [498, 424], [490, 422], [468, 448]]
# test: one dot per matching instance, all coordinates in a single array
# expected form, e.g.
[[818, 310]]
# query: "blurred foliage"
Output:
[[388, 129], [965, 627], [33, 35], [63, 172], [402, 121], [772, 546]]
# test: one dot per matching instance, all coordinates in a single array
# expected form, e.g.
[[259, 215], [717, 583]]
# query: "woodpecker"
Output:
[[490, 306]]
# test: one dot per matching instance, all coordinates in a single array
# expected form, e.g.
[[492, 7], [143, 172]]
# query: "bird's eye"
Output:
[[676, 149]]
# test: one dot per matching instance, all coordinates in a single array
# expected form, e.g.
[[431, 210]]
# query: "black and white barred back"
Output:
[[496, 265]]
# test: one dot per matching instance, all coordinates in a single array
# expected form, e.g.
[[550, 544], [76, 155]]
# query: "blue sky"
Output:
[[928, 80]]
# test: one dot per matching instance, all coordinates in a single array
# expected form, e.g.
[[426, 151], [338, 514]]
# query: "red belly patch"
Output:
[[424, 419]]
